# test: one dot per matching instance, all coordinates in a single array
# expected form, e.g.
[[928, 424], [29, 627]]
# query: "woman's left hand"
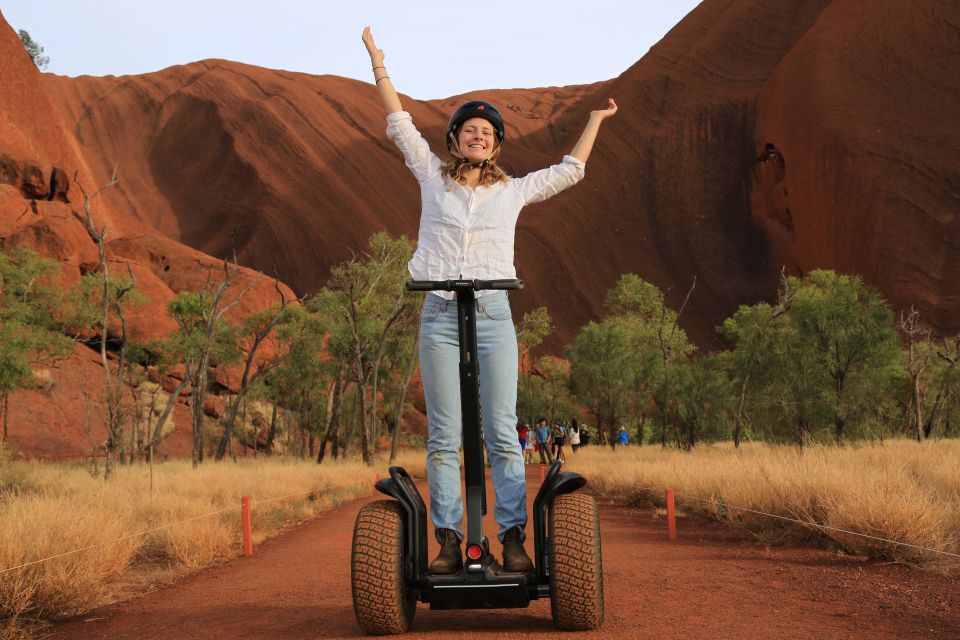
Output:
[[603, 114], [376, 55]]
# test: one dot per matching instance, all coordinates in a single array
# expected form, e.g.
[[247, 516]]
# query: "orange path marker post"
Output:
[[247, 526], [671, 517]]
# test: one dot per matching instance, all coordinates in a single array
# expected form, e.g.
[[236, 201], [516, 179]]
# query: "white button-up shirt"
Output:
[[468, 233]]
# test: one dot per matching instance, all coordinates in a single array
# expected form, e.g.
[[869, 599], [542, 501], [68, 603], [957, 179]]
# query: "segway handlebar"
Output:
[[454, 285]]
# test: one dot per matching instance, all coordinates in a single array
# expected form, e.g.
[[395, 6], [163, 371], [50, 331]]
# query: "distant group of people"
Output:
[[549, 441]]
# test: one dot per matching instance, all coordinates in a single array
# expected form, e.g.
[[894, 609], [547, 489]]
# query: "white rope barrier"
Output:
[[806, 523]]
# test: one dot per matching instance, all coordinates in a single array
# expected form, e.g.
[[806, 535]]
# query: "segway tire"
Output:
[[382, 601], [576, 569]]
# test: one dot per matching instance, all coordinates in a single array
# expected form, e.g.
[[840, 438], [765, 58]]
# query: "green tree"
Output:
[[29, 329], [532, 397], [399, 364], [203, 336], [620, 366], [753, 331], [544, 392], [34, 49], [704, 400], [114, 296], [308, 383], [99, 303], [824, 365], [256, 329], [368, 302], [532, 329], [605, 370], [943, 411], [850, 329]]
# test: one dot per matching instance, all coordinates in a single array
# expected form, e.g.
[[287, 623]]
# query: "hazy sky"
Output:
[[433, 49]]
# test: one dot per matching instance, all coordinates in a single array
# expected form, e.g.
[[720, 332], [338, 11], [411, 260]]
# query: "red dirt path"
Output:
[[708, 584]]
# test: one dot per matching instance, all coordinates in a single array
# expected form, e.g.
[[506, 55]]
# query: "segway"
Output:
[[389, 563]]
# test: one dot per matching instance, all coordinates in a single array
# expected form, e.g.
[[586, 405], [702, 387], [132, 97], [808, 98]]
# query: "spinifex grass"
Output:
[[52, 509], [896, 490]]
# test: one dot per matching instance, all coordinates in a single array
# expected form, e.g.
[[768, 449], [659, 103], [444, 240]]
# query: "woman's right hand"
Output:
[[376, 55]]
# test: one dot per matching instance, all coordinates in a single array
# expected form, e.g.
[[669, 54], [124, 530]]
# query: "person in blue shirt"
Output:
[[543, 442], [623, 438]]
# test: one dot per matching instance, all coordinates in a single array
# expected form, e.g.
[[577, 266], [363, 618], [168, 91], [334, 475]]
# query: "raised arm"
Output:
[[581, 151], [388, 95]]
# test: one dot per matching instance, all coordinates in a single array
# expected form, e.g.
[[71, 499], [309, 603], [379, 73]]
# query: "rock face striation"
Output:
[[801, 134], [44, 170]]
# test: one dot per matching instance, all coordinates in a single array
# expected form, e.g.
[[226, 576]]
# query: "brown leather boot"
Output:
[[514, 556], [449, 560]]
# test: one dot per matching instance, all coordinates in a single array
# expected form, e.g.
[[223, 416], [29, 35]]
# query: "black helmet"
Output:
[[475, 109]]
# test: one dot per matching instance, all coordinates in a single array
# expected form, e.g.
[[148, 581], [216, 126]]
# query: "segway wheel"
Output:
[[576, 570], [382, 601]]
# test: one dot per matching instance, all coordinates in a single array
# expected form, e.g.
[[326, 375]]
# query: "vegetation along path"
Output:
[[707, 584]]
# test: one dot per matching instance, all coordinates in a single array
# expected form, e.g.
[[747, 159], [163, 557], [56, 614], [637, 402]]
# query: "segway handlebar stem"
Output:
[[455, 285]]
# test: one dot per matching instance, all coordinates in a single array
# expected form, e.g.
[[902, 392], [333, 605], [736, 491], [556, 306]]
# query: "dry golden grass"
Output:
[[896, 490], [52, 509]]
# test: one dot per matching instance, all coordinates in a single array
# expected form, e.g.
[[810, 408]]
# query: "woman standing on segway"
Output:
[[467, 224]]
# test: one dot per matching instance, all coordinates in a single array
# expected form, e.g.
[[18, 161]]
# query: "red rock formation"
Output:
[[862, 112], [294, 170], [41, 207]]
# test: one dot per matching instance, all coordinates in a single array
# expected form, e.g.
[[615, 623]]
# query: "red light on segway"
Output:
[[474, 552]]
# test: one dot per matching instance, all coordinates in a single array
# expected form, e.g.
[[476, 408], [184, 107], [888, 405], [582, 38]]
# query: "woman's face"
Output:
[[477, 139]]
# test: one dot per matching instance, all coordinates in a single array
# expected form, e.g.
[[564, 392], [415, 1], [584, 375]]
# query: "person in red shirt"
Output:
[[523, 433]]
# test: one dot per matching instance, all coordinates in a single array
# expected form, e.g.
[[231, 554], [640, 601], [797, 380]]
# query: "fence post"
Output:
[[247, 526], [671, 517]]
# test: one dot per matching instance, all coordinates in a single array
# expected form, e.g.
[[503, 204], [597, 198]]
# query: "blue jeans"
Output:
[[440, 368]]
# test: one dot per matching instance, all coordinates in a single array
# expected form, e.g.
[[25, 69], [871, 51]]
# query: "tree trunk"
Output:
[[917, 408], [268, 447], [196, 408], [738, 429], [365, 451], [231, 419], [333, 409], [246, 380], [6, 413], [157, 432], [395, 443], [839, 424]]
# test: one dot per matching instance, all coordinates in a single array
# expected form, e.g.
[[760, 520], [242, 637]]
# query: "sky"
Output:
[[433, 49]]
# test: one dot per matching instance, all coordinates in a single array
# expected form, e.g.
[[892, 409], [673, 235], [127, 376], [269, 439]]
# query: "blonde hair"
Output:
[[490, 171]]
